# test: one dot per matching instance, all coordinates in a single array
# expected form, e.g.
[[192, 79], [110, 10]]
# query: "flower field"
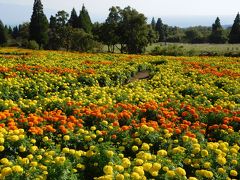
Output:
[[87, 116]]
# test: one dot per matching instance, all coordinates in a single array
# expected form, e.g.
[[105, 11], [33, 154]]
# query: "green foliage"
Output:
[[161, 29], [84, 20], [38, 28], [217, 36], [33, 45], [170, 50], [152, 35], [134, 30], [109, 32], [73, 21], [3, 34], [82, 41], [234, 36]]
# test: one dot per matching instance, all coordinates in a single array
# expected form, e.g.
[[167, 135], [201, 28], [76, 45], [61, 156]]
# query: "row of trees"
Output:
[[124, 29]]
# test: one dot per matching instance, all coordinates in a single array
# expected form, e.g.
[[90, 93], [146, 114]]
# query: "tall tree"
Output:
[[3, 34], [73, 20], [160, 28], [15, 32], [59, 31], [234, 36], [217, 35], [38, 28], [134, 30], [109, 30], [153, 23], [84, 20]]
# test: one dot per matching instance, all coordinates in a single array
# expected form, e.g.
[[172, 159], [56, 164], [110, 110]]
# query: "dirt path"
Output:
[[139, 76]]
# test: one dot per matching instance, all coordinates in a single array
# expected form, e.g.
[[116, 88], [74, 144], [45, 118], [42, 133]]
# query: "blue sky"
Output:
[[173, 12]]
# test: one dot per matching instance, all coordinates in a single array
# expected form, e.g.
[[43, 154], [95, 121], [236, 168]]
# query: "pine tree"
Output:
[[38, 28], [3, 34], [234, 36], [217, 35], [153, 23], [73, 21], [161, 30], [84, 20], [15, 32]]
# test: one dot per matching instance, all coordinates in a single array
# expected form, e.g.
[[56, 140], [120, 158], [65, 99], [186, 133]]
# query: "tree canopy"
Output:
[[234, 36], [3, 34], [38, 28], [217, 34], [84, 20]]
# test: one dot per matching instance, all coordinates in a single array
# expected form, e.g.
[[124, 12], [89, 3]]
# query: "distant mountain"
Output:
[[16, 14], [226, 26]]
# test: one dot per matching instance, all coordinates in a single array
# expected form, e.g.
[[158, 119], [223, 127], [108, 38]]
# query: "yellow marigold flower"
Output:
[[30, 156], [81, 166], [162, 152], [4, 161], [156, 166], [17, 169], [33, 149], [6, 171], [221, 170], [134, 148], [168, 135], [180, 171], [178, 149], [119, 168], [139, 161], [33, 141], [139, 170], [108, 170], [60, 159], [1, 140], [25, 160], [170, 173], [126, 162], [192, 178], [135, 176], [14, 138], [34, 164], [147, 166], [2, 148], [207, 165], [109, 154], [234, 161], [208, 174], [93, 128], [45, 138], [87, 138], [119, 177], [100, 140], [22, 148], [65, 150], [187, 161], [196, 150], [233, 150], [154, 173], [21, 136], [72, 151], [185, 138], [66, 137], [145, 147], [165, 168], [221, 160], [233, 173], [204, 153], [147, 156]]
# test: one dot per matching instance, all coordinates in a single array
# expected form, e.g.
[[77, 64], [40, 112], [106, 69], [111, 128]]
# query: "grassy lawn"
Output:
[[198, 48]]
